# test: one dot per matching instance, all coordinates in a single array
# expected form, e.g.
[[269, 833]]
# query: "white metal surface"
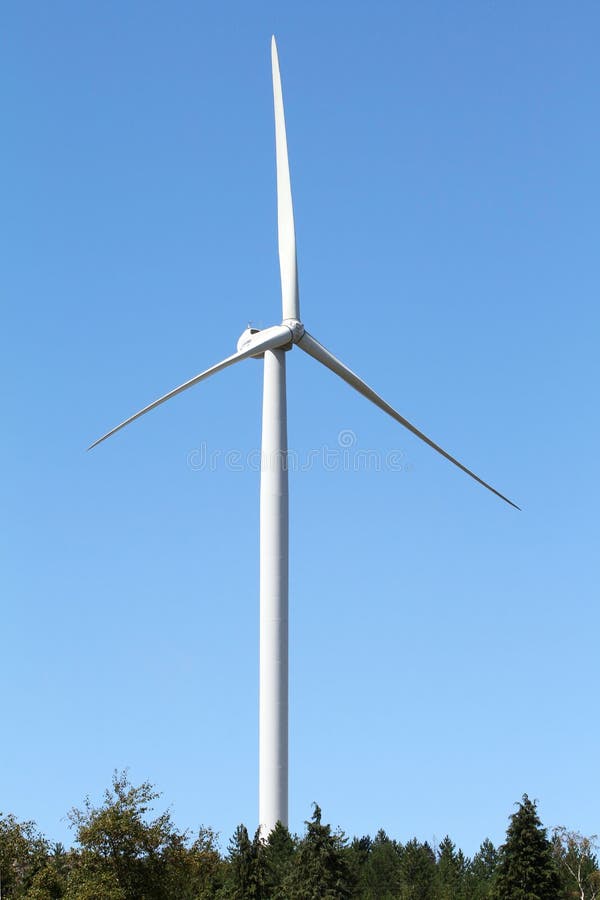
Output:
[[273, 691], [285, 212]]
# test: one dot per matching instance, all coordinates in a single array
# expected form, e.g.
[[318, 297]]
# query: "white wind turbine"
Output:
[[272, 344]]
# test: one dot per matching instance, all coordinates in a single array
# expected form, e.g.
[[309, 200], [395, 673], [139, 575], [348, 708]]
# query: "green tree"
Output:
[[357, 854], [278, 855], [50, 882], [240, 858], [380, 873], [481, 872], [246, 875], [92, 883], [23, 852], [526, 868], [125, 854], [417, 871], [320, 867], [206, 868], [578, 863], [450, 872]]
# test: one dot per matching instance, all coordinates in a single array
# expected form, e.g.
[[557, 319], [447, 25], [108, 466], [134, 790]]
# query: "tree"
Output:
[[125, 854], [481, 872], [207, 869], [578, 863], [417, 871], [92, 883], [23, 852], [380, 872], [240, 864], [450, 871], [50, 882], [278, 854], [526, 869], [320, 867], [246, 875]]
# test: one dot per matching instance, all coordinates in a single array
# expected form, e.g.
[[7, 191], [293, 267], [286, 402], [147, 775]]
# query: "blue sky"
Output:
[[444, 648]]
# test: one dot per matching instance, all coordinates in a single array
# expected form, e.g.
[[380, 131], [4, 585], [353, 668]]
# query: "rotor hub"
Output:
[[296, 327]]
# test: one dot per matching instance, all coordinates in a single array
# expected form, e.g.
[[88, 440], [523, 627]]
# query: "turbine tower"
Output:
[[272, 344]]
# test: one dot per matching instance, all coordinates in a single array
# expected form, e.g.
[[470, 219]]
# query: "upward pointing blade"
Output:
[[269, 339], [285, 211], [315, 349]]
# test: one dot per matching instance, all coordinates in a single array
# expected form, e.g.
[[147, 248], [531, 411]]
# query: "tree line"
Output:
[[122, 851]]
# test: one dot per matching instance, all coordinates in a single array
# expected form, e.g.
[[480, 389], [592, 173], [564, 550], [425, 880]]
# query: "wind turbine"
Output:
[[272, 344]]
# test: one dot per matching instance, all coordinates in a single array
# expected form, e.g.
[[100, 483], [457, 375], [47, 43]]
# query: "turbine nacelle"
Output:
[[255, 337], [246, 338]]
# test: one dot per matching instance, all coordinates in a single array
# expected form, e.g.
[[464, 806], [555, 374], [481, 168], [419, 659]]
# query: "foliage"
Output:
[[321, 868], [132, 856], [481, 872], [23, 852], [378, 866], [451, 872], [279, 851], [417, 871], [526, 869], [50, 881], [244, 875], [578, 863], [206, 868], [125, 852]]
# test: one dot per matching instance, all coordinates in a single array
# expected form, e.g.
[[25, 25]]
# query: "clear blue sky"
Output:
[[444, 648]]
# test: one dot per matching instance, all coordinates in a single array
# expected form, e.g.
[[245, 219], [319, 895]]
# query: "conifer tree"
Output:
[[278, 853], [321, 870], [526, 869], [450, 872], [380, 878], [241, 876], [482, 871], [417, 871]]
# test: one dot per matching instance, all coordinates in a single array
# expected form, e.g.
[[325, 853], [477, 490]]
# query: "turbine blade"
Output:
[[269, 339], [285, 211], [315, 349]]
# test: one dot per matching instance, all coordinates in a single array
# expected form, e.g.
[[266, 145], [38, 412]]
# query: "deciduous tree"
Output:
[[125, 853], [578, 863], [23, 852]]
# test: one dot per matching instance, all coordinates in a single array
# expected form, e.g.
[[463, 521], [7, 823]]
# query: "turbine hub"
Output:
[[296, 327]]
